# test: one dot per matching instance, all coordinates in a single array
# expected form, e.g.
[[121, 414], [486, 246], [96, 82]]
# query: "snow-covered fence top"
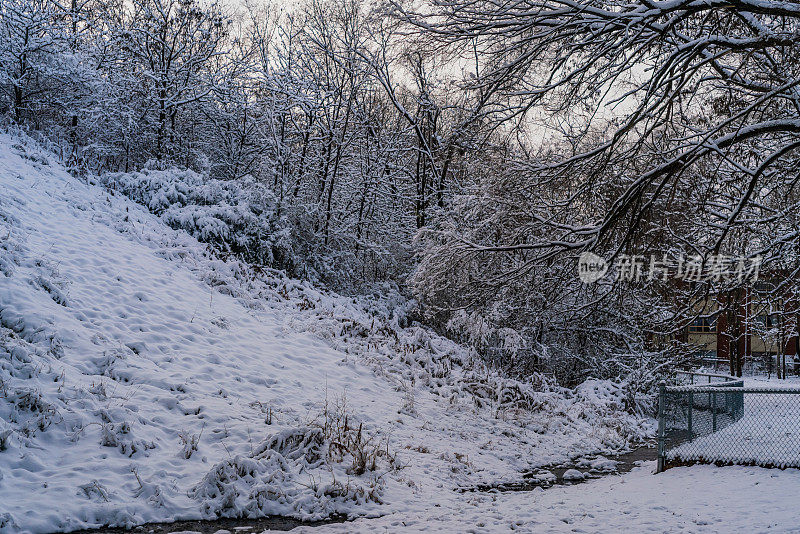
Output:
[[726, 424], [698, 378]]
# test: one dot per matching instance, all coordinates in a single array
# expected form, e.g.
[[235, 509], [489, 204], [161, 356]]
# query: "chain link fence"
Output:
[[714, 419]]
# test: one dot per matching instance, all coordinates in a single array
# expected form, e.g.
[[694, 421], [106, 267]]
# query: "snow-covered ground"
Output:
[[144, 380], [141, 379], [699, 499]]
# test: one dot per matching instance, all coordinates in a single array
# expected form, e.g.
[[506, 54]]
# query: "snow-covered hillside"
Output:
[[142, 379]]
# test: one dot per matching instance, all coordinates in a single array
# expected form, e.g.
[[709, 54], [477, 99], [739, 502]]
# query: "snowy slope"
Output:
[[129, 350], [141, 380]]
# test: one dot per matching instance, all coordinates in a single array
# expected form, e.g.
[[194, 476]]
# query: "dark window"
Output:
[[764, 287], [703, 325], [768, 321]]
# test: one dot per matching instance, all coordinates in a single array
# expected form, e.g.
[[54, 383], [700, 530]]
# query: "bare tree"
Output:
[[169, 44], [692, 83]]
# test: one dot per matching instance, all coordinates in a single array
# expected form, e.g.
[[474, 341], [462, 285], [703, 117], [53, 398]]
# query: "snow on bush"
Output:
[[300, 472], [236, 217], [375, 329], [239, 217]]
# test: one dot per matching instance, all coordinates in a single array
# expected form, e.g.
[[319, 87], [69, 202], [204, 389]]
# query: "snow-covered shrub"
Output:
[[416, 359], [302, 444], [238, 217], [5, 438], [294, 472], [189, 443], [348, 440], [7, 522], [120, 436]]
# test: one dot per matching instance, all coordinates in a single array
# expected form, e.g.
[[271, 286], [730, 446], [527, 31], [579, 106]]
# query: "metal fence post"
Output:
[[689, 415], [714, 412], [662, 399]]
